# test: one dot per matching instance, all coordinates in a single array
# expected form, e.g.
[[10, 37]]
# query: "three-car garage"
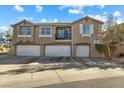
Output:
[[52, 50]]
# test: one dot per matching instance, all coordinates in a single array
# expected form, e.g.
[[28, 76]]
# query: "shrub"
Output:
[[6, 46], [112, 49], [100, 48], [121, 55], [1, 49]]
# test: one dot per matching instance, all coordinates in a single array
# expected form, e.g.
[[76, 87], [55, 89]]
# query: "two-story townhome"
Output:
[[75, 39]]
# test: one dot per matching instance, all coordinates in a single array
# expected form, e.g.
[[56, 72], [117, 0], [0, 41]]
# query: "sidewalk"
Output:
[[57, 76]]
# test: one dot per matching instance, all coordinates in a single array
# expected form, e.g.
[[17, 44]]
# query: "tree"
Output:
[[110, 22], [2, 38], [119, 33], [6, 38]]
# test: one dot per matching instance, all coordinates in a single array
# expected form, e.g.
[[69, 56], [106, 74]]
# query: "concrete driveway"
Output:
[[5, 59], [38, 71], [37, 64]]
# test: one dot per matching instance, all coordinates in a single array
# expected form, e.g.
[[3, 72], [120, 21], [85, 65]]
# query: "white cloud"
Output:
[[3, 29], [104, 18], [54, 20], [44, 20], [120, 20], [27, 18], [117, 13], [39, 8], [102, 6], [19, 8], [73, 9], [99, 17], [64, 6], [105, 13]]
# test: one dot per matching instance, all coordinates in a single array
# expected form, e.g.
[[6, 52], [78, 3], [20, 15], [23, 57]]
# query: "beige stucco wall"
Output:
[[47, 40], [78, 39], [24, 39], [42, 41]]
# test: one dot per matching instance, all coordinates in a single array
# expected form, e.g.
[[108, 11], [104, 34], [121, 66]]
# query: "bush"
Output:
[[1, 49], [121, 55], [113, 49], [6, 46], [100, 48]]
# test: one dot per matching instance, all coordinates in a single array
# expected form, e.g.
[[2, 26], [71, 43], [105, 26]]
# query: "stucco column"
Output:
[[92, 47], [42, 50], [12, 50], [72, 43]]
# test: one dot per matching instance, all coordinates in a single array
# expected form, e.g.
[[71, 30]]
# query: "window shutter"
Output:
[[81, 29], [51, 30], [91, 28]]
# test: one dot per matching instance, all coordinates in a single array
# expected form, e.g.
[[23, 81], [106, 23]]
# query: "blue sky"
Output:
[[54, 13]]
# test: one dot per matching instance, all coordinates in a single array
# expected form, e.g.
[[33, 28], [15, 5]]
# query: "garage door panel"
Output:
[[82, 51], [57, 51], [26, 50]]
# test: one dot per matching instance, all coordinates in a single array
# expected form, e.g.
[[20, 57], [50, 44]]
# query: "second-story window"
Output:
[[63, 33], [86, 29], [45, 31], [25, 30]]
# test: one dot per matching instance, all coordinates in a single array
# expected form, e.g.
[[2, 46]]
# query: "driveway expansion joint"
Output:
[[59, 76]]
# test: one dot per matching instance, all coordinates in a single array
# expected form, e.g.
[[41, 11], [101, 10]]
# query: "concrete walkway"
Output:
[[57, 76], [110, 82]]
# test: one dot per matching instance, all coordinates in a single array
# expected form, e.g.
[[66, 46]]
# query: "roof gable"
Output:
[[88, 17], [25, 21]]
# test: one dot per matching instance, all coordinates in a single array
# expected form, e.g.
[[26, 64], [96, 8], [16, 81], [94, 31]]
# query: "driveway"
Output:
[[20, 65], [5, 59], [36, 71], [37, 64]]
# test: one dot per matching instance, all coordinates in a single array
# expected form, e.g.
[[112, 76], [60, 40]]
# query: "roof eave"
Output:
[[89, 18]]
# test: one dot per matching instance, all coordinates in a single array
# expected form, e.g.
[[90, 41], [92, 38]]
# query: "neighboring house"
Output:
[[75, 39]]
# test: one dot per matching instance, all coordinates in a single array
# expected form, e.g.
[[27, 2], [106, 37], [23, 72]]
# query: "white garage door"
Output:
[[82, 51], [28, 50], [52, 50]]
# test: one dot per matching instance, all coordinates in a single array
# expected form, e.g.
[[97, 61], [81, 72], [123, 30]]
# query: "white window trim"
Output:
[[45, 35], [91, 30], [86, 35], [63, 40], [24, 35]]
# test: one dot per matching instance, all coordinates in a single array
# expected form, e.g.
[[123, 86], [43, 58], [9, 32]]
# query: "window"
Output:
[[86, 30], [63, 33], [25, 31], [45, 31]]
